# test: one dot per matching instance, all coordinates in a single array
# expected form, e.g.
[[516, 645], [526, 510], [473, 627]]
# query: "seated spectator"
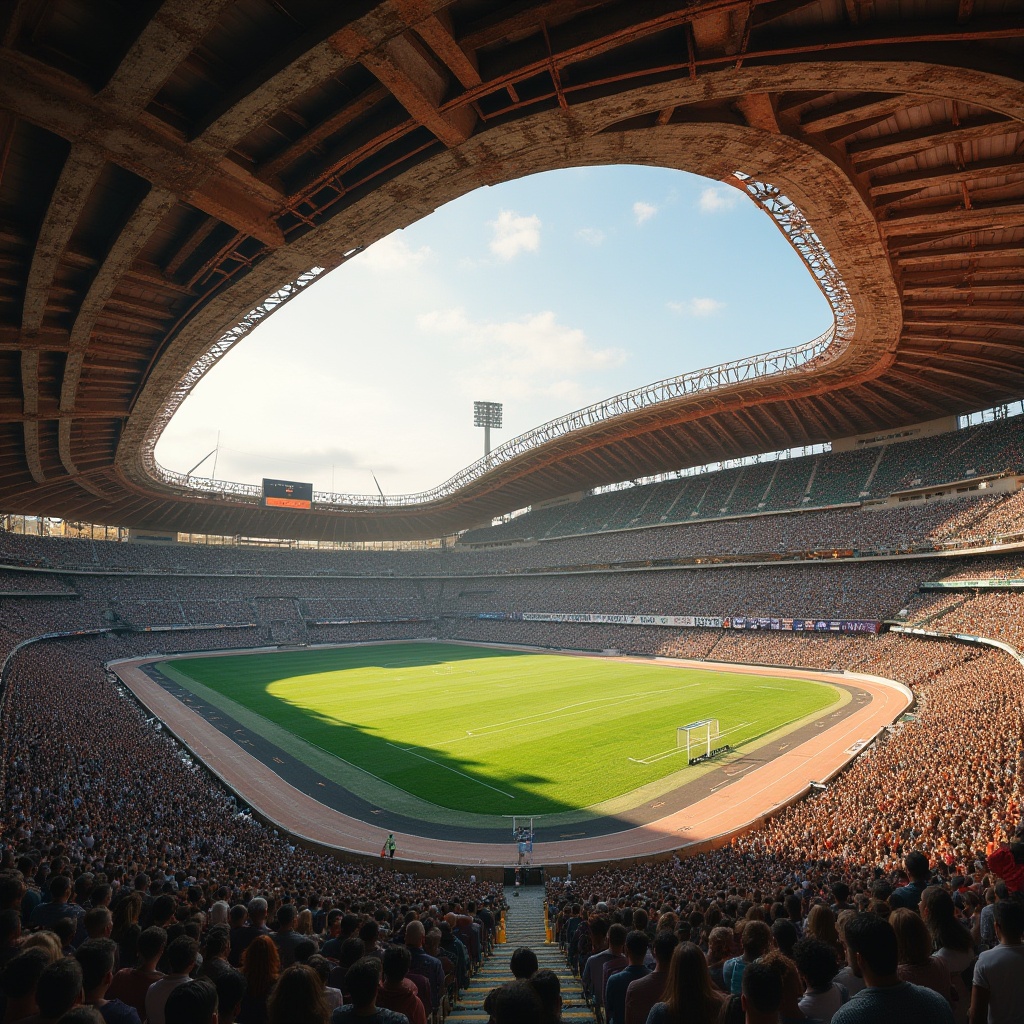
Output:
[[323, 968], [18, 982], [396, 991], [261, 965], [130, 985], [364, 984], [875, 952], [953, 946], [425, 964], [298, 998], [96, 958], [720, 946], [549, 989], [916, 963], [919, 873], [59, 988], [761, 997], [756, 941], [215, 953], [690, 998], [517, 1002], [230, 993], [997, 995], [194, 1002], [637, 945], [816, 961], [181, 959], [286, 937], [642, 994]]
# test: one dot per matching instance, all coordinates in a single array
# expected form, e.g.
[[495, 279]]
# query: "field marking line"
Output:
[[406, 750], [540, 717]]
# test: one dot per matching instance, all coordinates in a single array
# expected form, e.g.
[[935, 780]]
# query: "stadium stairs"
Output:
[[524, 926]]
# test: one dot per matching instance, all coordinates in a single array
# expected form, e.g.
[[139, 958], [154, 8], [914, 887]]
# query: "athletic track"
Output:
[[724, 813]]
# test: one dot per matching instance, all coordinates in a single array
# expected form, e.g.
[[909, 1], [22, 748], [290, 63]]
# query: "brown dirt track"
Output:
[[726, 812]]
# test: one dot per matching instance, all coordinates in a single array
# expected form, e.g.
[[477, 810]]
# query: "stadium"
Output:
[[660, 685]]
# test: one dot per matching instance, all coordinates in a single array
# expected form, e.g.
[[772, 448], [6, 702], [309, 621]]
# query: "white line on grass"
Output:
[[548, 716], [406, 750]]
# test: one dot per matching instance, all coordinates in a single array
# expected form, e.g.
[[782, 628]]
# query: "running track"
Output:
[[728, 811]]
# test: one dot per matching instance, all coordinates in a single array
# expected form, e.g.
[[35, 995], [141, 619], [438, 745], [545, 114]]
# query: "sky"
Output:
[[545, 294]]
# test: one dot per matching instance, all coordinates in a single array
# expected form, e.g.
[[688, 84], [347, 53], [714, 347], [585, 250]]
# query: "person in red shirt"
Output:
[[396, 991], [131, 984]]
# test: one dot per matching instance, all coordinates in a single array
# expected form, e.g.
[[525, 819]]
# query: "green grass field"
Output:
[[501, 732]]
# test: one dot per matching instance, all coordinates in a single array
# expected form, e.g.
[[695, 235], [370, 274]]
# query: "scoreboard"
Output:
[[287, 494]]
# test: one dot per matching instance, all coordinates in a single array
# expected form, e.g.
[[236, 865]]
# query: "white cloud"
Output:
[[393, 253], [717, 198], [532, 356], [514, 234], [701, 306], [592, 236], [643, 212]]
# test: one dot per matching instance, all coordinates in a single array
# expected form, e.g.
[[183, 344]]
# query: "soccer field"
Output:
[[497, 731]]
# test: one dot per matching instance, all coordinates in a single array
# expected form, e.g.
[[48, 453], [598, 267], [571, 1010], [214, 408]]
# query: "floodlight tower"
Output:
[[487, 415]]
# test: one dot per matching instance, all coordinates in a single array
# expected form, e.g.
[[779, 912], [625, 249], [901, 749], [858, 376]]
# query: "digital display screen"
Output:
[[287, 494]]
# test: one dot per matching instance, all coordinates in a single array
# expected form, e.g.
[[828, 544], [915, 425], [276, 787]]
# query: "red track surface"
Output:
[[724, 813]]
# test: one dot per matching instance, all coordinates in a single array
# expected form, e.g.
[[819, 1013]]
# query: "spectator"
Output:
[[298, 998], [18, 981], [872, 943], [916, 964], [261, 965], [816, 961], [194, 1002], [517, 1002], [953, 946], [59, 988], [181, 959], [549, 990], [756, 941], [997, 996], [230, 993], [130, 985], [919, 872], [690, 997], [761, 997], [363, 980], [637, 945], [396, 991], [96, 958], [642, 994]]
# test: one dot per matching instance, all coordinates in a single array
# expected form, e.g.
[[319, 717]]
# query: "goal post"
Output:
[[699, 736]]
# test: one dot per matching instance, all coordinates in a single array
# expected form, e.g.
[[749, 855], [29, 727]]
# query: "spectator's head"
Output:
[[194, 1002], [59, 988], [761, 993], [617, 938], [816, 961], [1009, 922], [261, 964], [756, 940], [517, 1002], [719, 943], [874, 951], [548, 988], [287, 916], [218, 942], [917, 866], [96, 958], [664, 946], [231, 988], [152, 943], [181, 955], [18, 981], [688, 986], [298, 998], [47, 940], [362, 980], [913, 942], [258, 910], [821, 923], [637, 945], [784, 935], [414, 934], [524, 963], [81, 1015], [397, 960]]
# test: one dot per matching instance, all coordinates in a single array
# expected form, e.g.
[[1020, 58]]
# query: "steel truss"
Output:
[[825, 347]]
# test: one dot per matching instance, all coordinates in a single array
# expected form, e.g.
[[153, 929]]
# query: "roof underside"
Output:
[[166, 166]]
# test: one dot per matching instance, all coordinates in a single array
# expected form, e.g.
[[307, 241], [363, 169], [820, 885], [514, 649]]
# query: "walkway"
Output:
[[524, 927]]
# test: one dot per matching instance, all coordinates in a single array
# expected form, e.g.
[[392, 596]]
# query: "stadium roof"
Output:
[[166, 167]]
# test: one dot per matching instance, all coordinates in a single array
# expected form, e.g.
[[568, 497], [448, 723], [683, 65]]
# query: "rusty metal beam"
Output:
[[81, 169], [61, 105]]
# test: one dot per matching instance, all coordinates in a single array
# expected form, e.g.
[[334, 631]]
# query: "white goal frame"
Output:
[[703, 731]]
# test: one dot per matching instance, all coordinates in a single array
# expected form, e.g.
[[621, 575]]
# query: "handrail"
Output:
[[825, 348]]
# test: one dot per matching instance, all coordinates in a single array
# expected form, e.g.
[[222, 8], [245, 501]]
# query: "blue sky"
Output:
[[545, 294]]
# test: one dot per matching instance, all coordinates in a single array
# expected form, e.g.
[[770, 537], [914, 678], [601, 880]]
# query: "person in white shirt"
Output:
[[997, 996], [816, 961]]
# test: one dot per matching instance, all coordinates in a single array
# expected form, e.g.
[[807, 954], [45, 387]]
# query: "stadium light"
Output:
[[487, 415]]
